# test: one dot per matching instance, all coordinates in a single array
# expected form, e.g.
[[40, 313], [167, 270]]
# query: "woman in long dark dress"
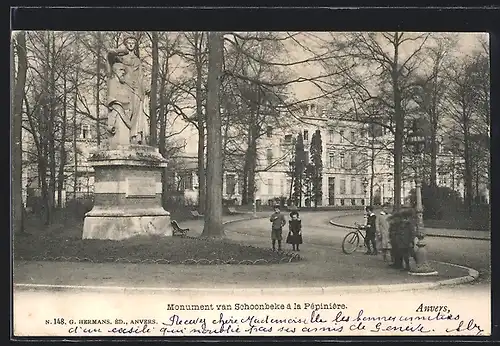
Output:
[[295, 231]]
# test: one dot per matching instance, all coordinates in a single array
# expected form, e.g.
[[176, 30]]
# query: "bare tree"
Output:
[[429, 94], [18, 80], [196, 54], [461, 103], [385, 64]]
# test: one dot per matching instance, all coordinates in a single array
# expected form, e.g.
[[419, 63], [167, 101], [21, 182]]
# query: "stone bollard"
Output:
[[422, 266]]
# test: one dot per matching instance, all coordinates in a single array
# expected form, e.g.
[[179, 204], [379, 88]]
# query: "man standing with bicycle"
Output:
[[371, 230]]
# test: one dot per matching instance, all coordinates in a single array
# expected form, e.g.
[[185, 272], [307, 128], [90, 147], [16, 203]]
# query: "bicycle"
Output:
[[351, 241]]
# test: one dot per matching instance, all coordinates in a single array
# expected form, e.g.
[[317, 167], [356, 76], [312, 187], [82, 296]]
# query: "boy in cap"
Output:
[[277, 223]]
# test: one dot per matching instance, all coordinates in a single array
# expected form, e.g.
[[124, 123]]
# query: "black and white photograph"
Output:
[[250, 183]]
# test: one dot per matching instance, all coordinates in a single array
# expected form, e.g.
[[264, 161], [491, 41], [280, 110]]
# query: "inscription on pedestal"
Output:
[[141, 187]]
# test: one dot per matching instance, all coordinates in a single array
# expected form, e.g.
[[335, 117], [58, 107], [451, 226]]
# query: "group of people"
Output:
[[393, 235], [278, 221]]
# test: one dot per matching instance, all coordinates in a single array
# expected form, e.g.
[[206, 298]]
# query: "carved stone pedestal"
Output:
[[127, 194]]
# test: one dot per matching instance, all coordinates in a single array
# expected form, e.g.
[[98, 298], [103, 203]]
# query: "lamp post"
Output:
[[416, 142], [365, 185]]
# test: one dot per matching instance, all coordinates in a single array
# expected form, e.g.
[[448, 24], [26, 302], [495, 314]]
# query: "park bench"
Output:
[[177, 230], [195, 214], [232, 210]]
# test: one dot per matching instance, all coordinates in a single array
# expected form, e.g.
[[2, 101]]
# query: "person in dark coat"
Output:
[[277, 223], [295, 231], [371, 229], [402, 232]]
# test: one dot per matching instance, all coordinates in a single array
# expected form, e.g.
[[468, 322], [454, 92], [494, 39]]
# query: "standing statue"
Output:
[[128, 96]]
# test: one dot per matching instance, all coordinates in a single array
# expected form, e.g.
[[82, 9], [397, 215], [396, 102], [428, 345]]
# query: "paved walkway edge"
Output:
[[473, 275], [427, 235]]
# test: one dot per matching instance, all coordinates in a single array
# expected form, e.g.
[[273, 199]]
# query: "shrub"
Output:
[[78, 207], [438, 201]]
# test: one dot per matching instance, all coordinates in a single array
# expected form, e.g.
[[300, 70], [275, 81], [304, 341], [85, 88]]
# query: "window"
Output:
[[282, 187], [288, 183], [288, 138], [353, 186], [269, 131], [230, 184], [269, 156], [347, 161], [363, 133], [353, 137], [270, 186], [85, 131], [341, 136], [330, 136], [353, 160], [342, 161], [342, 186], [331, 158], [306, 135]]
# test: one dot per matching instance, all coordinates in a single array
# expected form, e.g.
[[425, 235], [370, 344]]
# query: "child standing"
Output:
[[295, 231], [277, 223]]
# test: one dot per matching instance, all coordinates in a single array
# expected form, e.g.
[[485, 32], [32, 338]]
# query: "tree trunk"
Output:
[[62, 148], [202, 186], [224, 150], [50, 128], [201, 119], [468, 172], [161, 142], [372, 169], [398, 146], [75, 133], [252, 155], [213, 217], [17, 115], [244, 185], [153, 94], [252, 161], [246, 166]]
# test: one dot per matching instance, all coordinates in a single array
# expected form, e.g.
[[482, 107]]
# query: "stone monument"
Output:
[[128, 187]]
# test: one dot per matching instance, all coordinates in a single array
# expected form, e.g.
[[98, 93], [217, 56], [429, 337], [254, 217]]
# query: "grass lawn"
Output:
[[62, 241]]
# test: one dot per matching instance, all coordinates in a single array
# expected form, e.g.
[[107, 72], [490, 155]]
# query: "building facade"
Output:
[[352, 155]]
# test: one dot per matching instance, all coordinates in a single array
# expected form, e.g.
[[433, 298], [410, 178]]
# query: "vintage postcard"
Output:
[[250, 183]]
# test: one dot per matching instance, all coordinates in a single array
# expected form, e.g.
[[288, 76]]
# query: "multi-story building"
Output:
[[343, 175], [352, 155]]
